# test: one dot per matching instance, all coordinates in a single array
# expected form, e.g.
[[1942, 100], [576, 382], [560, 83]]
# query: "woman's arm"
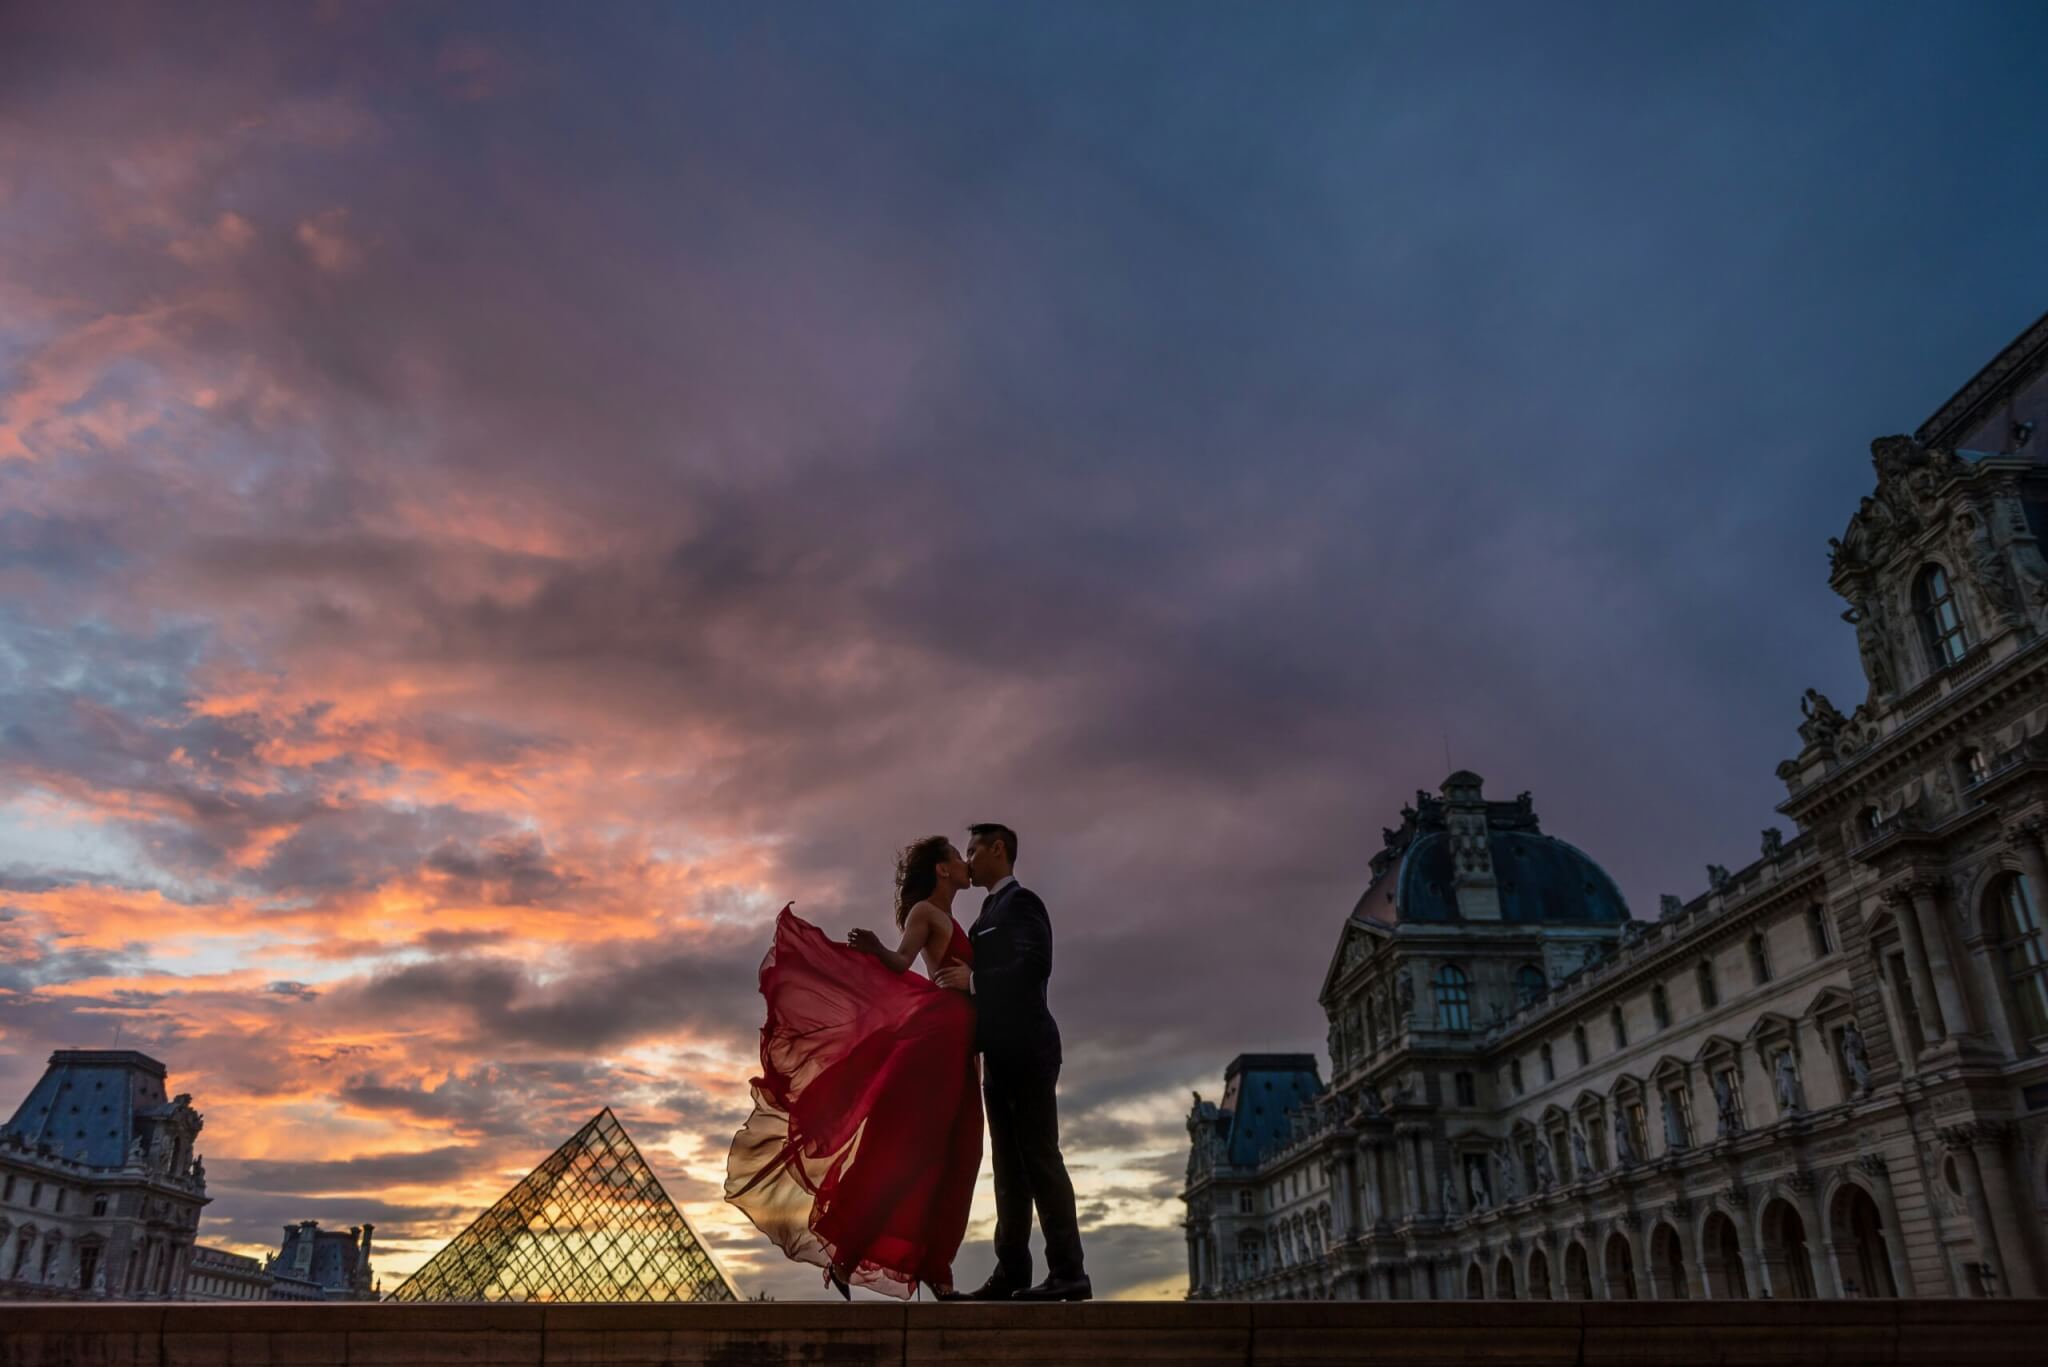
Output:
[[916, 930]]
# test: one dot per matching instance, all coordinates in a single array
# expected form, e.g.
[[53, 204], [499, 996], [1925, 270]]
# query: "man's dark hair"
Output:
[[989, 830]]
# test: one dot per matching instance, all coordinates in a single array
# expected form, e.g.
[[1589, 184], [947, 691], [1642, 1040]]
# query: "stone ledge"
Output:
[[763, 1334]]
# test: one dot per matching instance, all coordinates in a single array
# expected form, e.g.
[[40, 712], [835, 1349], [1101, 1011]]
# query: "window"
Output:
[[2016, 913], [1529, 984], [1561, 1155], [1817, 931], [1595, 1130], [99, 1205], [1759, 961], [1941, 626], [1579, 1044], [1453, 999], [1549, 1065], [1909, 1009], [1618, 1026], [1515, 1075], [1660, 1008], [1975, 769], [1467, 1095], [1728, 1096], [35, 1196], [1868, 821], [8, 1193], [1703, 973], [59, 1207], [1638, 1128], [1678, 1118]]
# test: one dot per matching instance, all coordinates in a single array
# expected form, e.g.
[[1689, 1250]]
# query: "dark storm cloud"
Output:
[[1178, 434]]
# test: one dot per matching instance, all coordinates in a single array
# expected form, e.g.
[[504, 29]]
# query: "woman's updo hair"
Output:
[[917, 873]]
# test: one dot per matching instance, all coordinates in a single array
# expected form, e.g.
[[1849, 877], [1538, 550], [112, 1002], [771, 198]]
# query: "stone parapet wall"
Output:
[[763, 1334]]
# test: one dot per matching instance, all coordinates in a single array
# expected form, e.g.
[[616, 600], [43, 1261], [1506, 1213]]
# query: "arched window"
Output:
[[1453, 999], [1549, 1065], [1620, 1028], [1529, 984], [2015, 911], [1710, 995], [1759, 959], [1660, 1008], [1941, 626], [1579, 1045]]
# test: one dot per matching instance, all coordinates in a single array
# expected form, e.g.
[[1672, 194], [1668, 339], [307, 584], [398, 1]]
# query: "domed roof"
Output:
[[1540, 878], [1537, 877]]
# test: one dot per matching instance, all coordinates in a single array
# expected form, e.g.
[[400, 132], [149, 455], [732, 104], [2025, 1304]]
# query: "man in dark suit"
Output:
[[1020, 1062]]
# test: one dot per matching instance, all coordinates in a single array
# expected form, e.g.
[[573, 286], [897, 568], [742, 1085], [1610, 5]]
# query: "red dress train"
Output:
[[866, 1134]]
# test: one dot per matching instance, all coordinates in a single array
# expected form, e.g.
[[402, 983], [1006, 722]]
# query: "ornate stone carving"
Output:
[[1854, 1059], [1970, 538], [1726, 1113], [1800, 1183], [1668, 905], [1624, 1146], [1873, 1165], [1582, 1160], [1785, 1079], [1774, 842], [1717, 877], [1823, 720], [1873, 644]]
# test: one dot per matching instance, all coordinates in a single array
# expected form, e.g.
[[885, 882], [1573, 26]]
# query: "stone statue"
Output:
[[1824, 721], [137, 1152], [1853, 1057], [1404, 994], [1504, 1175], [1447, 1194], [1475, 1188], [1546, 1170], [198, 1171], [1724, 1106], [1669, 905], [1674, 1126], [1988, 570], [1582, 1160], [1787, 1077], [1624, 1147], [1369, 1096], [1774, 842], [1873, 643], [1717, 877]]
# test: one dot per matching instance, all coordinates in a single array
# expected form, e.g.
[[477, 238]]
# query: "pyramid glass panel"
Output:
[[591, 1223]]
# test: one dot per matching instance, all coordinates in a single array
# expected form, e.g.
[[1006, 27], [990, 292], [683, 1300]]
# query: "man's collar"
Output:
[[1009, 881]]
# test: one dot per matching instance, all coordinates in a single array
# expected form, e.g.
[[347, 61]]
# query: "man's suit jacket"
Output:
[[1012, 941]]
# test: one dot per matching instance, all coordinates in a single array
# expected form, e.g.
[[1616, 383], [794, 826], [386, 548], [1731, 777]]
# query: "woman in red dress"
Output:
[[865, 1140]]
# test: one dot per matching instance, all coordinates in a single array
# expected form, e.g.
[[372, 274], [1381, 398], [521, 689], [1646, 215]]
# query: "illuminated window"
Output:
[[1453, 999]]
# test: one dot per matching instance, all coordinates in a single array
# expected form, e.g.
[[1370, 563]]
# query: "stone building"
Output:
[[100, 1191], [322, 1264], [1826, 1075], [214, 1274]]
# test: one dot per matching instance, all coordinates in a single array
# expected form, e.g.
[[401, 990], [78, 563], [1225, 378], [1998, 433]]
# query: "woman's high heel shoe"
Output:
[[839, 1282]]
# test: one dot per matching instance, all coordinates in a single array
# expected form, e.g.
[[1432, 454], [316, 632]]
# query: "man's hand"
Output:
[[956, 977], [866, 941]]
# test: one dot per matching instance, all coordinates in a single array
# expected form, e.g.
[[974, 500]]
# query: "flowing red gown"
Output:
[[866, 1134]]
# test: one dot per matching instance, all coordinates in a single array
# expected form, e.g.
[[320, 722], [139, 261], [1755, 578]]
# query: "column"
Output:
[[1411, 1203], [1194, 1265], [1958, 1138], [1342, 1216], [1371, 1187], [1432, 1189], [1989, 1142], [1745, 1248], [1879, 1173], [1821, 1263], [1901, 903], [1594, 1240], [1927, 911], [1695, 1255], [1639, 1250]]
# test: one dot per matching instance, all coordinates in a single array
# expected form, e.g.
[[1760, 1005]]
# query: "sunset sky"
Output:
[[495, 500]]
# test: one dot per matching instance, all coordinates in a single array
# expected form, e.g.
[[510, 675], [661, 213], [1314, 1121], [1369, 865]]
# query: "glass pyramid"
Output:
[[591, 1223]]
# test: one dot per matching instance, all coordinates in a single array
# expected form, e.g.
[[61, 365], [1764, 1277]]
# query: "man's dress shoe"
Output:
[[1057, 1289]]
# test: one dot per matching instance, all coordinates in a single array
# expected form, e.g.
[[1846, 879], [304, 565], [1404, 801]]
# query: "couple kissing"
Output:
[[865, 1140]]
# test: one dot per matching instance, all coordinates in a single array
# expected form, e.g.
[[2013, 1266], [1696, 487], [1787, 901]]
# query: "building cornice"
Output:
[[2024, 353]]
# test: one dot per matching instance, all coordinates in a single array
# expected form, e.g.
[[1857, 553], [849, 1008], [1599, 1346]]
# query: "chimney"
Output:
[[1471, 850]]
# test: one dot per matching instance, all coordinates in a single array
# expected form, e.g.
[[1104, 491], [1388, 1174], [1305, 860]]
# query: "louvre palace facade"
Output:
[[1825, 1075]]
